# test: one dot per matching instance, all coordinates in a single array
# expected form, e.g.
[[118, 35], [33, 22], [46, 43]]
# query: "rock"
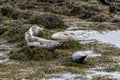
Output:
[[27, 53], [78, 57], [16, 34], [81, 12], [61, 36], [9, 11], [47, 20], [78, 11]]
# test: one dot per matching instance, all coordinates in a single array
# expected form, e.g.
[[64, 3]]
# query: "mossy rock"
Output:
[[16, 34], [81, 12], [48, 20], [26, 53], [77, 10], [25, 15], [9, 11], [99, 18], [71, 44], [2, 30]]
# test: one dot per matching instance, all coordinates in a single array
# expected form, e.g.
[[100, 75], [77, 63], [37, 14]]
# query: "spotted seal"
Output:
[[32, 36]]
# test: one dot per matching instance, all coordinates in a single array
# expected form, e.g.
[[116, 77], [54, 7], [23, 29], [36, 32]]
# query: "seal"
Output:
[[44, 43], [32, 36], [78, 57], [36, 31], [33, 31], [61, 36]]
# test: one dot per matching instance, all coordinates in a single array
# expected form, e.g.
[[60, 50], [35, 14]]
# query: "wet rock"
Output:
[[61, 36], [78, 57], [48, 20]]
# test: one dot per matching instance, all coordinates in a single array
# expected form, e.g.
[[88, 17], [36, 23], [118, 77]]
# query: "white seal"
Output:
[[61, 36], [32, 36]]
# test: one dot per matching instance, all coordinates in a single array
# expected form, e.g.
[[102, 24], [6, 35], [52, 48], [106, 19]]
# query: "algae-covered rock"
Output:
[[47, 20], [16, 34], [9, 11], [99, 18], [26, 53], [2, 30], [71, 44], [81, 12]]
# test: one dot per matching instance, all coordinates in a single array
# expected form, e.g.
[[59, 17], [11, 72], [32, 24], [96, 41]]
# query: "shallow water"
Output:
[[107, 37]]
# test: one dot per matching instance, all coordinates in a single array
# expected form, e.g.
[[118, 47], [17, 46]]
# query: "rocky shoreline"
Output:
[[90, 17]]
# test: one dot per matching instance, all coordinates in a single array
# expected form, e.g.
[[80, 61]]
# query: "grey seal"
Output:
[[78, 57]]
